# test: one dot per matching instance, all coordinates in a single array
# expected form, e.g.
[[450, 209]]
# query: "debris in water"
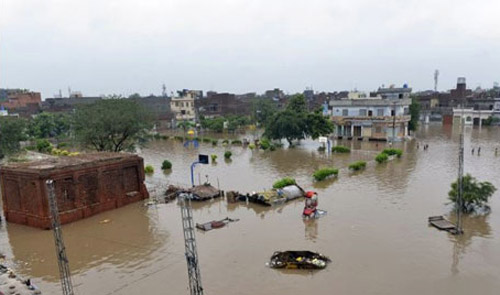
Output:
[[298, 260]]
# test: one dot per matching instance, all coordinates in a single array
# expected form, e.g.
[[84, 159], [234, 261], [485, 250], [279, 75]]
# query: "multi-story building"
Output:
[[371, 119], [222, 104], [183, 106], [22, 102], [393, 92]]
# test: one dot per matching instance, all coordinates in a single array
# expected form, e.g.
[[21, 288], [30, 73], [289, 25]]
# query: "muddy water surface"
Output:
[[376, 230]]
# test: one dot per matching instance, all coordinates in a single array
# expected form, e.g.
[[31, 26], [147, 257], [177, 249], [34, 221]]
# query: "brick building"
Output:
[[22, 102], [84, 185]]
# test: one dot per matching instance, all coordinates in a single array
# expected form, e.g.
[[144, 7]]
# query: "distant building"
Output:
[[22, 102], [160, 108], [183, 106], [223, 104], [371, 119], [393, 93], [66, 104], [275, 94]]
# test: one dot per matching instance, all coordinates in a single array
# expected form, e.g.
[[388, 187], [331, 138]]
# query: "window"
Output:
[[176, 103], [370, 113], [345, 112], [362, 112], [380, 112], [392, 113], [183, 112]]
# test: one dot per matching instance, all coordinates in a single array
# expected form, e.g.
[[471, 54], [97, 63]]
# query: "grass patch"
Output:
[[324, 173], [284, 182], [392, 152], [356, 166], [381, 158], [228, 154], [341, 149], [149, 169]]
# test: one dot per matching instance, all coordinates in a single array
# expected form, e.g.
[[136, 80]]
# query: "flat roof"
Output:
[[62, 162]]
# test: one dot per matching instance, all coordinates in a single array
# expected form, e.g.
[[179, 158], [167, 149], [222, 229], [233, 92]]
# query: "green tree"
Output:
[[112, 124], [318, 125], [12, 131], [295, 122], [46, 125], [134, 96], [475, 194], [263, 110], [415, 115]]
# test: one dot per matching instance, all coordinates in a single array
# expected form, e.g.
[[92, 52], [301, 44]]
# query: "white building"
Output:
[[183, 107]]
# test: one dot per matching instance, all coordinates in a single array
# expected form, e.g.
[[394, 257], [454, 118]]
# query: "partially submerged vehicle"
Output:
[[298, 260], [215, 224], [274, 196]]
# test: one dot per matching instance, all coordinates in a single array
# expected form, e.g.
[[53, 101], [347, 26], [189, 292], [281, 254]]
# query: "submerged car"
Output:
[[298, 260]]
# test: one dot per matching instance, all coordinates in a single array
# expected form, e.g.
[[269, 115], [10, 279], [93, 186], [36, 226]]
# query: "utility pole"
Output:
[[190, 245], [460, 176], [394, 124], [62, 259]]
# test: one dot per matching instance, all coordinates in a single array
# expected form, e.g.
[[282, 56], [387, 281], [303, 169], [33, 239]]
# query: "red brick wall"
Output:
[[80, 193]]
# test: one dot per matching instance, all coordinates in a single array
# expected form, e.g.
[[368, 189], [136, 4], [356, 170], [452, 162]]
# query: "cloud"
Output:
[[134, 46]]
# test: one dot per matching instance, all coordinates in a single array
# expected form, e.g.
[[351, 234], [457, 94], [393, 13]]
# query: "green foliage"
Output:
[[43, 146], [225, 141], [263, 110], [415, 115], [392, 152], [217, 124], [185, 125], [284, 182], [207, 139], [475, 194], [166, 165], [265, 144], [11, 133], [272, 147], [340, 149], [251, 146], [213, 157], [179, 138], [237, 142], [228, 154], [62, 145], [321, 148], [149, 169], [46, 125], [112, 124], [318, 125], [356, 166], [214, 142], [490, 121], [324, 173], [381, 158]]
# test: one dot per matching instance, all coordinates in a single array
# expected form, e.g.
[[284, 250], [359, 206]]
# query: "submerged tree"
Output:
[[46, 125], [111, 124], [475, 194]]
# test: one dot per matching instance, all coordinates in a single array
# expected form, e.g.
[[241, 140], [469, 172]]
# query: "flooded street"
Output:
[[376, 230]]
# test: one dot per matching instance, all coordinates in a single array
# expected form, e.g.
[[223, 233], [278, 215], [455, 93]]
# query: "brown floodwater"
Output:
[[375, 232]]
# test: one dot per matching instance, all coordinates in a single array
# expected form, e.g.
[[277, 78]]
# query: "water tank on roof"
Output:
[[461, 80], [405, 85]]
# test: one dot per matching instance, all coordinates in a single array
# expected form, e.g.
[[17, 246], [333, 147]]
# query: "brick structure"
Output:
[[85, 185]]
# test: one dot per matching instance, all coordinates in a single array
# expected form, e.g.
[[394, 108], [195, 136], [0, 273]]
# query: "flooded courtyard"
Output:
[[376, 230]]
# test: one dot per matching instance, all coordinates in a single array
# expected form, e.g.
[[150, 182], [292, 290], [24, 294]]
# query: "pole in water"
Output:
[[460, 177], [62, 259]]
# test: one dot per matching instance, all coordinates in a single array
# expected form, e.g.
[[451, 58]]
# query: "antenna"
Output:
[[62, 259], [436, 77], [164, 90]]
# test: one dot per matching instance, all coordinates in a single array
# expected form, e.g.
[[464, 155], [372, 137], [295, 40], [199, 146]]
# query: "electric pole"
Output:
[[190, 245], [62, 259]]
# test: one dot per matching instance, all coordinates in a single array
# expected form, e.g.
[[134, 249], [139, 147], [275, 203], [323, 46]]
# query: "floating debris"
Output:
[[298, 260], [10, 283], [441, 223], [215, 224], [274, 196]]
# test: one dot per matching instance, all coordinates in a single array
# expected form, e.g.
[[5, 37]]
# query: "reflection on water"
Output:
[[375, 232]]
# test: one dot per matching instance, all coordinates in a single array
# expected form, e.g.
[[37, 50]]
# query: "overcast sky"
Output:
[[127, 46]]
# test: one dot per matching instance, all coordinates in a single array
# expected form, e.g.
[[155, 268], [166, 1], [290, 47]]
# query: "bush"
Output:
[[475, 193], [321, 149], [149, 169], [164, 137], [213, 157], [251, 146], [356, 166], [44, 146], [381, 158], [324, 173], [62, 144], [166, 165], [179, 138], [228, 154], [392, 152], [340, 149], [237, 142], [272, 147], [284, 182], [225, 141], [206, 139], [265, 144], [214, 142], [31, 148]]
